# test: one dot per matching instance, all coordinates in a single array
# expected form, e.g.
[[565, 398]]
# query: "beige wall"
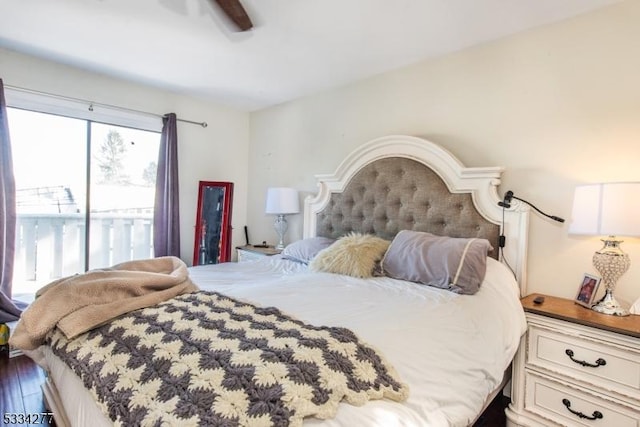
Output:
[[557, 106], [215, 153]]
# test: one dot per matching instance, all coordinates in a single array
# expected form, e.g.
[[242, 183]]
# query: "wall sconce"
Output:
[[609, 209], [282, 201]]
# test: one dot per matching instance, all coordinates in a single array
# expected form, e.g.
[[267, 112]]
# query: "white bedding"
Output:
[[452, 350]]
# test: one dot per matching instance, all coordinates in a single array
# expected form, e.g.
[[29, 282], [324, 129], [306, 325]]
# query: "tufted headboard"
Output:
[[401, 182], [396, 193]]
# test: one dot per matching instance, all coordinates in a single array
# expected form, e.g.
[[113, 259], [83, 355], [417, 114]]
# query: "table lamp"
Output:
[[611, 210], [282, 201]]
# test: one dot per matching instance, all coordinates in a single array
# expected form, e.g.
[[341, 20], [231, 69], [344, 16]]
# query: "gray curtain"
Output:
[[166, 217], [9, 310]]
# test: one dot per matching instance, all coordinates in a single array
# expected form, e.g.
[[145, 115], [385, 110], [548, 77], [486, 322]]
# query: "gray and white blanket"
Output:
[[205, 359]]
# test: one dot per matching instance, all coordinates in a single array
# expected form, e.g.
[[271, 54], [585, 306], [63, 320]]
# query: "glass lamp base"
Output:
[[281, 227], [611, 262], [609, 305]]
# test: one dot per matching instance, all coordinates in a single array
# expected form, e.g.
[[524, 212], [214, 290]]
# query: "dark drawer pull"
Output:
[[599, 362], [596, 414]]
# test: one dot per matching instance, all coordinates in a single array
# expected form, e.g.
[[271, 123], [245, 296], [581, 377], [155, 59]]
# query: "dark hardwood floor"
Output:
[[494, 415], [20, 393]]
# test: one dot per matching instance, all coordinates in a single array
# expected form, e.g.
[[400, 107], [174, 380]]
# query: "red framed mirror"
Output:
[[212, 243]]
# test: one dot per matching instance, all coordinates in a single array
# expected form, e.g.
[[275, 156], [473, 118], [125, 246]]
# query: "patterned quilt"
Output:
[[207, 359]]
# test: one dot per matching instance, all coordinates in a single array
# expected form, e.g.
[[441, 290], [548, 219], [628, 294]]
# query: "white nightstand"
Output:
[[250, 252], [575, 367]]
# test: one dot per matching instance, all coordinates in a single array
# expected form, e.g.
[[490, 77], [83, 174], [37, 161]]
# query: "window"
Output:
[[85, 195]]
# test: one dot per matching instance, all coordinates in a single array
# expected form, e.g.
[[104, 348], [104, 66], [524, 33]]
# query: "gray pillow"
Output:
[[456, 264], [306, 249]]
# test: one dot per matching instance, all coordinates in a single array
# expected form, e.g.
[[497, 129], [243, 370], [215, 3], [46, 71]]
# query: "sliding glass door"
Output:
[[85, 193], [122, 190], [49, 158]]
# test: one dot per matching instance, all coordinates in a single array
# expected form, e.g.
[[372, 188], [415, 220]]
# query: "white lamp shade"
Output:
[[282, 200], [606, 209]]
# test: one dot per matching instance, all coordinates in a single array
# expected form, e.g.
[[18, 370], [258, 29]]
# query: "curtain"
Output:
[[9, 310], [166, 217]]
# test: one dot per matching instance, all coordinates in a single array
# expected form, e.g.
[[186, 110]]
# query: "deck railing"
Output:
[[50, 246]]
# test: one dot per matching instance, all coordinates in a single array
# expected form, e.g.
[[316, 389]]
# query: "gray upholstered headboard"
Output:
[[403, 182], [396, 193]]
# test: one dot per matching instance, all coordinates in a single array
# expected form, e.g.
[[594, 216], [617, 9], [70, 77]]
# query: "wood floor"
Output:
[[20, 381], [20, 393], [494, 415]]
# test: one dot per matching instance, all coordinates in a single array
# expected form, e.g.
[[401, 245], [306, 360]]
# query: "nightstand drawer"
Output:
[[244, 256], [571, 407], [595, 362], [253, 253]]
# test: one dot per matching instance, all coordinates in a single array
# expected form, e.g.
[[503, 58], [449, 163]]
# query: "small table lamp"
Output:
[[282, 201], [610, 209]]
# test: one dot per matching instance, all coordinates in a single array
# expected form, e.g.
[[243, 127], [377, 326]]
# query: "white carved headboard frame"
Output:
[[480, 182]]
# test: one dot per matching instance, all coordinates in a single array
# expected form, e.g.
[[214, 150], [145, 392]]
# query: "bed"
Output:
[[451, 350]]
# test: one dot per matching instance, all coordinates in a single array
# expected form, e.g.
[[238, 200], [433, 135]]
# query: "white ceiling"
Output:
[[297, 47]]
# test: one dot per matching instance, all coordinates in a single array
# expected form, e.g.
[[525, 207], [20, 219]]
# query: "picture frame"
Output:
[[587, 290]]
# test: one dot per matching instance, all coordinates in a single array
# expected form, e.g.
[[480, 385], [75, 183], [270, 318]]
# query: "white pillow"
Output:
[[354, 255], [305, 250]]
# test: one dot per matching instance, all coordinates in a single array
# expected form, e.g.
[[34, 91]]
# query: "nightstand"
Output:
[[575, 367], [250, 252]]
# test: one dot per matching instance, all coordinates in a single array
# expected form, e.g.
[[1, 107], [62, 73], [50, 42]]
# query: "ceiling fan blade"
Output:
[[234, 10]]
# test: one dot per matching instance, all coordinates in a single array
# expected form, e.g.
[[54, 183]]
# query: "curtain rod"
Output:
[[91, 104]]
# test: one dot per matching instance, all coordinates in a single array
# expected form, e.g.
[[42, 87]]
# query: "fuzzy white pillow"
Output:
[[354, 255]]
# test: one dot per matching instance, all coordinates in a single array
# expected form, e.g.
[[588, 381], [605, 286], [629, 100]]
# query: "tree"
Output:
[[149, 174], [110, 160]]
